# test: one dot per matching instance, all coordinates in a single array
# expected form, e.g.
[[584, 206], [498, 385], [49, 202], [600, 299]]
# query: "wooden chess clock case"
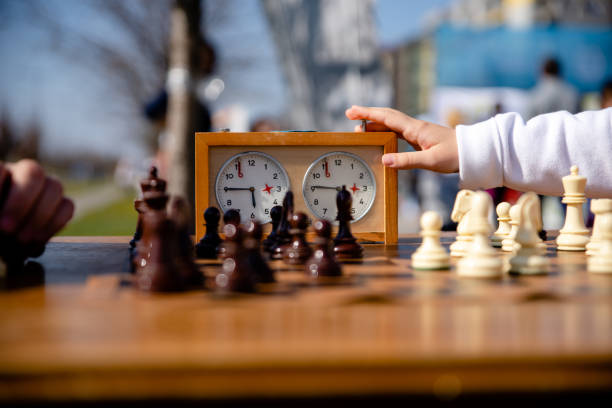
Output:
[[297, 153]]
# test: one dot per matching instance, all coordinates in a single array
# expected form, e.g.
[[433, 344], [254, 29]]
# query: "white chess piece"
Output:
[[598, 207], [508, 244], [481, 261], [431, 254], [574, 234], [528, 259], [601, 262], [503, 217], [460, 215]]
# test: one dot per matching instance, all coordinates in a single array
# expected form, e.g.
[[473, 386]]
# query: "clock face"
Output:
[[252, 183], [326, 176]]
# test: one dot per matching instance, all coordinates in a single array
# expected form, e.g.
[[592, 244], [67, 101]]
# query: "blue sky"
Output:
[[71, 104]]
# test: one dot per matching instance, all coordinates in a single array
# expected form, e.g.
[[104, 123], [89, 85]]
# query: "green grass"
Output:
[[118, 218]]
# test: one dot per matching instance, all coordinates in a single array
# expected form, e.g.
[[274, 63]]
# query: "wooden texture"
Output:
[[296, 151], [385, 329]]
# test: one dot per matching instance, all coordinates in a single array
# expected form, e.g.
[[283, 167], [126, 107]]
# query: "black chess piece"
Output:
[[252, 240], [322, 262], [275, 213], [232, 217], [345, 244], [151, 183], [207, 247], [158, 269], [179, 212], [283, 237], [236, 274], [298, 251]]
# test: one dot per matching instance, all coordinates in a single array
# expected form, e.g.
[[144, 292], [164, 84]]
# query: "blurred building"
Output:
[[493, 49]]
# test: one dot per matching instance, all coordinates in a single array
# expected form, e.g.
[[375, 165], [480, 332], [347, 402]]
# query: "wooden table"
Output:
[[387, 330]]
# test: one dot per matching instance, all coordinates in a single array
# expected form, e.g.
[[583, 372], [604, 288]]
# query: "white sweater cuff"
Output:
[[480, 155]]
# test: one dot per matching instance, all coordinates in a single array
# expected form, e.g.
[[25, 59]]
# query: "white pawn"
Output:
[[598, 207], [482, 260], [601, 262], [574, 234], [460, 215], [508, 244], [528, 259], [431, 254], [503, 217]]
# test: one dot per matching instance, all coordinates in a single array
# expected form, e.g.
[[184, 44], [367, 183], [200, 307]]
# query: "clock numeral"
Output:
[[229, 176], [361, 201], [360, 175], [338, 162], [316, 175], [251, 162], [275, 176], [365, 188], [267, 211], [325, 211], [265, 166], [252, 215], [312, 188], [275, 202], [229, 202], [316, 201], [353, 210], [352, 166], [278, 188]]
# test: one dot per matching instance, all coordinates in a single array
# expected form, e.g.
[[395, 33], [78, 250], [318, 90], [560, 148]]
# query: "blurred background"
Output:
[[99, 90]]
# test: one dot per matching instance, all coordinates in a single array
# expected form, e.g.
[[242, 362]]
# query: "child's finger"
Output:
[[392, 119], [373, 127], [408, 160]]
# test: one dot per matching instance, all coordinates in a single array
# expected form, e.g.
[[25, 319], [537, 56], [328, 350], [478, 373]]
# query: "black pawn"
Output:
[[283, 237], [263, 273], [231, 217], [275, 213], [322, 262], [298, 251], [345, 244], [160, 269], [179, 212], [207, 247], [236, 274]]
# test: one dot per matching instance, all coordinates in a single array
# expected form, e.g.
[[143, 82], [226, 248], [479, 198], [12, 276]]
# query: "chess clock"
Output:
[[251, 172], [252, 183], [326, 176]]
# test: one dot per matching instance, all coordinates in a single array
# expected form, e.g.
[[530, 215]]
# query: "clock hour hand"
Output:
[[251, 189], [313, 188]]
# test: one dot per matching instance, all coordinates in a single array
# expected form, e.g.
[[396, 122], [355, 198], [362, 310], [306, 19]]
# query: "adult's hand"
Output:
[[32, 205]]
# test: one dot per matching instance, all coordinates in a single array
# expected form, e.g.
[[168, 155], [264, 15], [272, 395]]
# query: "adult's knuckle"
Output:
[[31, 170], [56, 188]]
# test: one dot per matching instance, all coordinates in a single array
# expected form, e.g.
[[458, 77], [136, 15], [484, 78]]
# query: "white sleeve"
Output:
[[533, 156]]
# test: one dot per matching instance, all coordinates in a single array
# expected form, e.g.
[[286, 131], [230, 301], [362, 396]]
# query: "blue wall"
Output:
[[505, 57]]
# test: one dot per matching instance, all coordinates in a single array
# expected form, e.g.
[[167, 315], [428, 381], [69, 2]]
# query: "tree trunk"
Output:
[[184, 35]]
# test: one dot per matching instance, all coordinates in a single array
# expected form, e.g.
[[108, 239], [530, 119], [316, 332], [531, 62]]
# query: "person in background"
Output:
[[606, 94], [552, 93], [33, 207]]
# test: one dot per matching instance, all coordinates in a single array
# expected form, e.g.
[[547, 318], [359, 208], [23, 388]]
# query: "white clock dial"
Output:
[[326, 176], [252, 183]]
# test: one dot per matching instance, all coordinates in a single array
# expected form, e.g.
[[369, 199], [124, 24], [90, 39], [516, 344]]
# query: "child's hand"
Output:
[[436, 146]]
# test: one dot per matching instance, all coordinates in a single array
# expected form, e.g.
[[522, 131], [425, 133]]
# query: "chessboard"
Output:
[[74, 329]]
